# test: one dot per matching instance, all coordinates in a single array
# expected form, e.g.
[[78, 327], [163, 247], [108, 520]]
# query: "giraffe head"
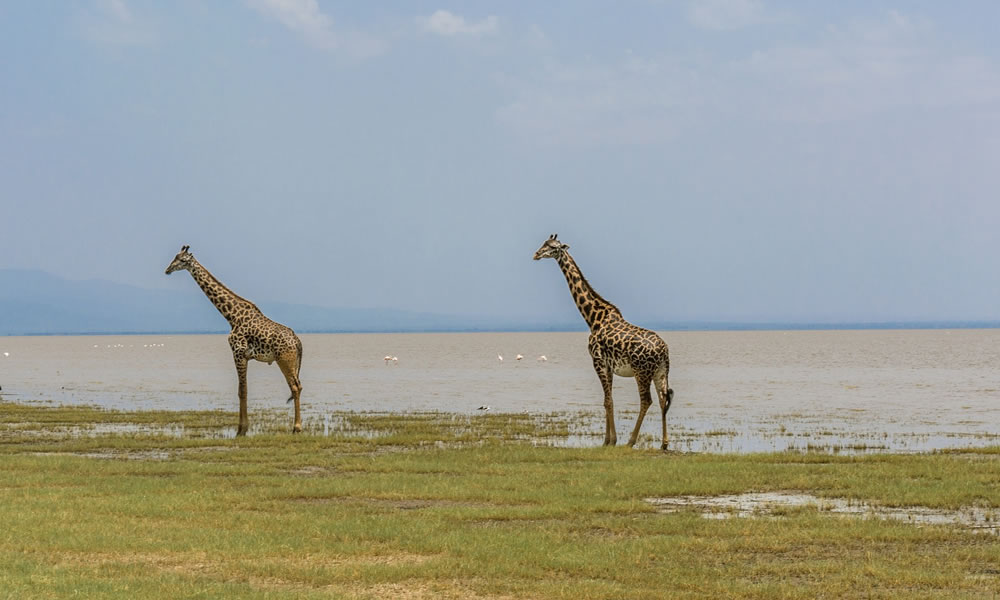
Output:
[[183, 260], [552, 248]]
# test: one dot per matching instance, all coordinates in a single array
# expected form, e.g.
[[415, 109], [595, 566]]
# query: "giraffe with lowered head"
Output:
[[253, 335], [617, 346]]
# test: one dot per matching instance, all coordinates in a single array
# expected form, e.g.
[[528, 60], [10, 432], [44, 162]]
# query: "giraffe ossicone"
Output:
[[253, 336]]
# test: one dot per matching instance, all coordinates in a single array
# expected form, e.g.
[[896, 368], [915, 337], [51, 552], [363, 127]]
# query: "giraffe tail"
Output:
[[298, 369]]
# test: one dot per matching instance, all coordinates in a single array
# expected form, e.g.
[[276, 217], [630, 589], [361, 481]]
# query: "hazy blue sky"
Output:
[[716, 159]]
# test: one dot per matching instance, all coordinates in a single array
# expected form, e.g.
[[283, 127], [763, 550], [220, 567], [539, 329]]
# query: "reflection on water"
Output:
[[748, 391]]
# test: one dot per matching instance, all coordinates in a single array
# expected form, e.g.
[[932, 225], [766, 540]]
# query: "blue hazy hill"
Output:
[[38, 303]]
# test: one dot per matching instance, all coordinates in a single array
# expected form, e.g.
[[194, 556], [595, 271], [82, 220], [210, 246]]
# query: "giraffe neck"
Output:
[[225, 300], [591, 305]]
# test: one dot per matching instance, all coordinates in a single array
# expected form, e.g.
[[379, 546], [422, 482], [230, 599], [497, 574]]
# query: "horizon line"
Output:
[[663, 326]]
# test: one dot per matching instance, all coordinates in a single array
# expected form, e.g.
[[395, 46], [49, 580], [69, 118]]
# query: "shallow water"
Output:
[[835, 391], [757, 504]]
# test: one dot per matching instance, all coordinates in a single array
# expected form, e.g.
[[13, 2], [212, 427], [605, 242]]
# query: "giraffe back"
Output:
[[264, 340]]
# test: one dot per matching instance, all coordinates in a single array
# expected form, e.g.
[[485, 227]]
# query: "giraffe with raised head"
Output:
[[617, 346], [253, 335]]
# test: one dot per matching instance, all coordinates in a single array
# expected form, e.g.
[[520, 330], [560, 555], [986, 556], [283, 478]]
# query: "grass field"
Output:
[[99, 504]]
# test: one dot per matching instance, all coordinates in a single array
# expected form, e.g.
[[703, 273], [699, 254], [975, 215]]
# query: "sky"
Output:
[[718, 160]]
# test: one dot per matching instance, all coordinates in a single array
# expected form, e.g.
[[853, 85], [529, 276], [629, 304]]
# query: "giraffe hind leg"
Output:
[[666, 396], [289, 365]]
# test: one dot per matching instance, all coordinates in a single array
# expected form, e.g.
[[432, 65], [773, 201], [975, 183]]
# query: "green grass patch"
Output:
[[104, 504]]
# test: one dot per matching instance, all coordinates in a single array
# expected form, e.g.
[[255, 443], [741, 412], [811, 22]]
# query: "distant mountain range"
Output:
[[38, 303]]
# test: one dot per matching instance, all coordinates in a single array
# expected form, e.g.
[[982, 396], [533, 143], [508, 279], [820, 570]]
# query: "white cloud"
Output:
[[113, 23], [316, 28], [726, 14], [860, 70], [865, 68], [117, 9], [634, 101], [446, 23], [303, 17]]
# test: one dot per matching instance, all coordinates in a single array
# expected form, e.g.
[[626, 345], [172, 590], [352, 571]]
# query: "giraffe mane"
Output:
[[590, 288], [216, 281]]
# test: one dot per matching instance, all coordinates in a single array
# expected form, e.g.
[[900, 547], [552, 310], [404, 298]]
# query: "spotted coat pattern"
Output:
[[616, 346], [253, 336]]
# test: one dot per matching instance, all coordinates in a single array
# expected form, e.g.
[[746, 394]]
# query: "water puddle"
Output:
[[145, 455], [774, 504], [101, 429]]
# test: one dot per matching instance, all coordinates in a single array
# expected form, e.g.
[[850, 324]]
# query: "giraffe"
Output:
[[617, 346], [253, 335]]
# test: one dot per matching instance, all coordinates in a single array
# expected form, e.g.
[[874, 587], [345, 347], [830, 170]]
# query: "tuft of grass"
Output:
[[435, 505]]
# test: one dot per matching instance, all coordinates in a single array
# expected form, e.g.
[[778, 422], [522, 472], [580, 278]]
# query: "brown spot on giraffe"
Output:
[[253, 336], [616, 346]]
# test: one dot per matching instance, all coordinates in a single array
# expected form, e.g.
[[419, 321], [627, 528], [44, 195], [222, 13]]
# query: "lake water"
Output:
[[870, 390]]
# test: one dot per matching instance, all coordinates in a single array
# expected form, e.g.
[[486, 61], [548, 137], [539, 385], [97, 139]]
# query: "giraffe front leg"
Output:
[[241, 372], [605, 375], [239, 346], [645, 401]]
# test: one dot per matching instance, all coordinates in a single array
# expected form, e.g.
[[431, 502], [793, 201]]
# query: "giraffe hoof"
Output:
[[297, 429], [241, 432], [663, 446]]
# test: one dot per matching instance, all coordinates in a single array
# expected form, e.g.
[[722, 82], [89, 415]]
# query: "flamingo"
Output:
[[387, 358], [542, 358], [395, 360], [518, 357], [500, 358]]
